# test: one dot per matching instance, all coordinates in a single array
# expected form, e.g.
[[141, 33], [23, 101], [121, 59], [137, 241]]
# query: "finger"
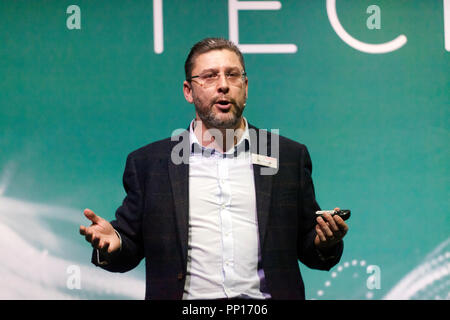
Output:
[[82, 230], [100, 245], [343, 227], [334, 228], [104, 246], [95, 241], [320, 234], [91, 215], [88, 236], [324, 227]]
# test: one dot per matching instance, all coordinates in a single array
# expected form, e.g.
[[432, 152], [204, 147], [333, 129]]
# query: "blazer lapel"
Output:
[[263, 183], [179, 180], [263, 191]]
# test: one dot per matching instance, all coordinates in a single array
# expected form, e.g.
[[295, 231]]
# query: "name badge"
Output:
[[264, 160]]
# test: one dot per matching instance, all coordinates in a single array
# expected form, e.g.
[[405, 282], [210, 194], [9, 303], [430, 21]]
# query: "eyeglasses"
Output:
[[210, 78]]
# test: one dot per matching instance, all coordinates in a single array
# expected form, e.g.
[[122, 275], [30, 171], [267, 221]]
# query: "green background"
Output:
[[74, 103]]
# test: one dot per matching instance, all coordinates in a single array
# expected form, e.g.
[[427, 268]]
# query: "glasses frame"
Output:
[[243, 76]]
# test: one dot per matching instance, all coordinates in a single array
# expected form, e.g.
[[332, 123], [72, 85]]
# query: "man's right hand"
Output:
[[100, 234]]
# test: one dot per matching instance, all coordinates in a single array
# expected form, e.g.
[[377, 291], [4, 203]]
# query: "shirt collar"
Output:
[[242, 145]]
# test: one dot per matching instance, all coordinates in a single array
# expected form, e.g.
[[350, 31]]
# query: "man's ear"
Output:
[[187, 91], [246, 88]]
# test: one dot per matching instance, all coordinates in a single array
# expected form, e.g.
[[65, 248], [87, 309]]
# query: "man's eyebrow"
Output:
[[217, 70], [209, 70]]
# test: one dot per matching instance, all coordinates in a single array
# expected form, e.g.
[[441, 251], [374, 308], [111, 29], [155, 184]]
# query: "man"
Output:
[[215, 225]]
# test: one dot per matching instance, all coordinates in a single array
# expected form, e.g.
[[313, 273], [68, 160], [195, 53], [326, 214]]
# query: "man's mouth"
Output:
[[223, 104]]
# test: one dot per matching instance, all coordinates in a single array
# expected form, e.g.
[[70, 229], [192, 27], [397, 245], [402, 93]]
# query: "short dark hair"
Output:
[[206, 45]]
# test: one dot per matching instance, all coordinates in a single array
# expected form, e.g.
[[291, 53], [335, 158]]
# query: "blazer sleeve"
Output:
[[128, 224], [307, 251]]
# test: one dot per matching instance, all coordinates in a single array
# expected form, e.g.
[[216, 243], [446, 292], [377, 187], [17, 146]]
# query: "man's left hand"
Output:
[[330, 231]]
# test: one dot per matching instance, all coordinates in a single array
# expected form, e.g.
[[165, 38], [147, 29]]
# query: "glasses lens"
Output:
[[233, 78]]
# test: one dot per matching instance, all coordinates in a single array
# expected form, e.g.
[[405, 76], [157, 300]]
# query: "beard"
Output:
[[214, 118]]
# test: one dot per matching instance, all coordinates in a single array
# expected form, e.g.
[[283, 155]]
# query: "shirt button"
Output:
[[180, 276]]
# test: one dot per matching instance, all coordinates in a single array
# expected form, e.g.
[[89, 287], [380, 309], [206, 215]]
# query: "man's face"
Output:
[[218, 105]]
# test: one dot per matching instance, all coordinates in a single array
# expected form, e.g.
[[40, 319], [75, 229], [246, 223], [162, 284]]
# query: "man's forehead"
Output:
[[216, 59]]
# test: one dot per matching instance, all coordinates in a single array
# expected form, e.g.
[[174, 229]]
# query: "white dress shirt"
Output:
[[223, 244]]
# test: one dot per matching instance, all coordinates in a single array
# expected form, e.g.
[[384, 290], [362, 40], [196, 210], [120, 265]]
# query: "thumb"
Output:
[[91, 215]]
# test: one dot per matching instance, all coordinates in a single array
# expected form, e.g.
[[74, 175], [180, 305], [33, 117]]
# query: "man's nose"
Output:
[[222, 84]]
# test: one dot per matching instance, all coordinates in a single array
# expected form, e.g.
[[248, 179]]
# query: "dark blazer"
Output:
[[153, 218]]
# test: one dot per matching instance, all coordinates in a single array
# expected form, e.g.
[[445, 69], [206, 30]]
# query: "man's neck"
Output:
[[219, 139]]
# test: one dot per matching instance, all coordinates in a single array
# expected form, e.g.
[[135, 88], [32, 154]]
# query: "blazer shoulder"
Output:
[[292, 150], [291, 143]]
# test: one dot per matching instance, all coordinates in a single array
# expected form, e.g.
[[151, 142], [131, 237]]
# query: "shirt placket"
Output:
[[226, 225]]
